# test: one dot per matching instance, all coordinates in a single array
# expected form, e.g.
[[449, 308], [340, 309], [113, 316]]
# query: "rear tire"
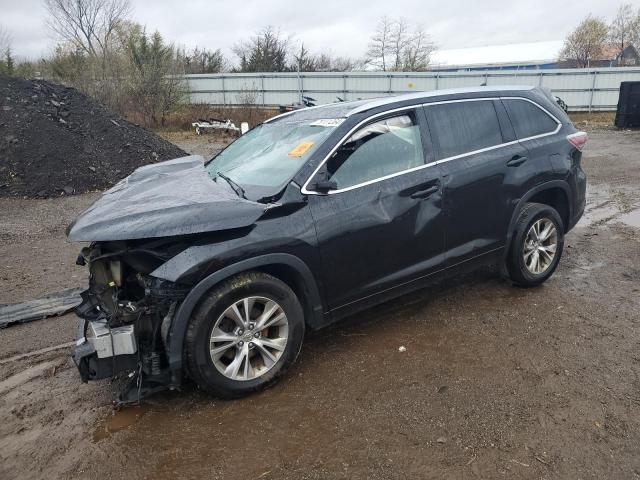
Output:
[[536, 246], [244, 335]]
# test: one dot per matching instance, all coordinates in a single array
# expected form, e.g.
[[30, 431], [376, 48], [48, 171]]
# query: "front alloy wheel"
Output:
[[244, 335], [249, 338]]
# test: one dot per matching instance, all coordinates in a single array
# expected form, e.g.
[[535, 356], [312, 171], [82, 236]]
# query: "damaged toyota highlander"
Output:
[[214, 270]]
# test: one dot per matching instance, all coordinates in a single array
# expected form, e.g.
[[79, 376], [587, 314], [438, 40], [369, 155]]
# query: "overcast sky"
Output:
[[340, 27]]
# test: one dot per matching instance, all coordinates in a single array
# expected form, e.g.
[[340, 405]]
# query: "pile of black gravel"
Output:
[[56, 141]]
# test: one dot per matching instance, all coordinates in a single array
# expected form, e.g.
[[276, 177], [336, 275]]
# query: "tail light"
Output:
[[578, 139]]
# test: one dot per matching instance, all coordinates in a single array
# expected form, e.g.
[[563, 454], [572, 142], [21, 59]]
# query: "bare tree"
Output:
[[247, 98], [399, 41], [91, 54], [394, 46], [346, 64], [325, 62], [303, 61], [585, 43], [417, 53], [5, 39], [380, 44], [89, 25], [625, 27], [202, 61]]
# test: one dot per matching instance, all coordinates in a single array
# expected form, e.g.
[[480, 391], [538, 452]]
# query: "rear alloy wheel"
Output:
[[540, 246], [536, 246], [244, 335]]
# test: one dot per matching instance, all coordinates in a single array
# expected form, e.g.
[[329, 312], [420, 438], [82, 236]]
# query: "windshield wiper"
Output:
[[236, 188]]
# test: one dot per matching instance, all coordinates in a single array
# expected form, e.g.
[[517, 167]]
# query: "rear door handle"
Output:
[[517, 160], [425, 193]]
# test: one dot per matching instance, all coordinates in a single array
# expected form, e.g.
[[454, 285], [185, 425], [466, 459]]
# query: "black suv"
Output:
[[215, 269]]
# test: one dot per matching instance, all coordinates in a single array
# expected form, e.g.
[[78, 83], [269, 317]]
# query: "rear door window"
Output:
[[379, 149], [463, 127], [528, 119]]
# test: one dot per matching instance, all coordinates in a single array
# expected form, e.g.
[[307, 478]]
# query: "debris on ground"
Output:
[[202, 125], [56, 141], [53, 304]]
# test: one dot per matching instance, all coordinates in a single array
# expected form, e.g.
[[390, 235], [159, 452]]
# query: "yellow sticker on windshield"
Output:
[[301, 149]]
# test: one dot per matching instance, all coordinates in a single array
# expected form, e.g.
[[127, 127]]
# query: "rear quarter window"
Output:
[[528, 119], [463, 127]]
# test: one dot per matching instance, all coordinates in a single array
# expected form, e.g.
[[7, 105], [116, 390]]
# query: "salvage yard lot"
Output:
[[495, 382]]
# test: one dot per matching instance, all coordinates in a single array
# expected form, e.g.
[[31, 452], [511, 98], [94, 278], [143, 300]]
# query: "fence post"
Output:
[[389, 92], [344, 87], [593, 86], [262, 88], [224, 92], [437, 78], [301, 86]]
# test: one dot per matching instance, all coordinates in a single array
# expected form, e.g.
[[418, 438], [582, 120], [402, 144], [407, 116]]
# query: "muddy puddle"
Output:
[[118, 420], [632, 218], [606, 205]]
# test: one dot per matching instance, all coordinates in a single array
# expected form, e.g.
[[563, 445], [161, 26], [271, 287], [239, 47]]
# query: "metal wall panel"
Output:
[[581, 89]]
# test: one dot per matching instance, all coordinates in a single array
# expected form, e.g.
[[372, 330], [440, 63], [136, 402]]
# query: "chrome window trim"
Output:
[[306, 191]]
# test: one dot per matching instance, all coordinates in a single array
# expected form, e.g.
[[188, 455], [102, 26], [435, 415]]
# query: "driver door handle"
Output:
[[425, 193], [517, 160]]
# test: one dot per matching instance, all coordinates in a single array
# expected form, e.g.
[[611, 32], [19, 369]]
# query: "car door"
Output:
[[475, 148], [382, 225]]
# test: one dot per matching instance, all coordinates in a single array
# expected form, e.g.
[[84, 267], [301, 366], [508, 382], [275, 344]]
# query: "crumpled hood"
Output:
[[175, 197]]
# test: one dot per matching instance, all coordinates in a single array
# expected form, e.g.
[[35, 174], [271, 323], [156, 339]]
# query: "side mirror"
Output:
[[324, 186]]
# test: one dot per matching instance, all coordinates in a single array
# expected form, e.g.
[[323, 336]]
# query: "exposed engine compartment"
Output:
[[126, 315]]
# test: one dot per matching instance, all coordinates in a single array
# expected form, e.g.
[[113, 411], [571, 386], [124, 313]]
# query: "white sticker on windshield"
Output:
[[327, 122]]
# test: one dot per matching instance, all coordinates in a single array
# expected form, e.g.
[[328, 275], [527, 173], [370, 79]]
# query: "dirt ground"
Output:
[[495, 382]]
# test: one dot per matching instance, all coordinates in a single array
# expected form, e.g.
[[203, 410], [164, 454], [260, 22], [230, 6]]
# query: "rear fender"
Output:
[[530, 194]]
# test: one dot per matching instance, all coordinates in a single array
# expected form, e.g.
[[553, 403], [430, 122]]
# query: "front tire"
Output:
[[536, 246], [244, 335]]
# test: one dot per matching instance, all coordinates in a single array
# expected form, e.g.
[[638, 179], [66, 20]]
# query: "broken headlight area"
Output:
[[126, 314]]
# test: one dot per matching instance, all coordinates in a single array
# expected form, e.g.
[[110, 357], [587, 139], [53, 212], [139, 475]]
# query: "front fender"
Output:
[[178, 328]]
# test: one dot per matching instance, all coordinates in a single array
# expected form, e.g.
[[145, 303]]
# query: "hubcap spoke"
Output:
[[218, 351], [269, 309], [274, 321], [234, 313], [549, 248], [234, 367], [546, 233], [248, 305], [218, 335], [276, 344], [268, 358], [546, 255]]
